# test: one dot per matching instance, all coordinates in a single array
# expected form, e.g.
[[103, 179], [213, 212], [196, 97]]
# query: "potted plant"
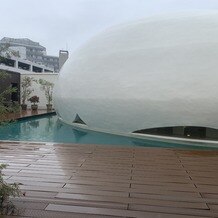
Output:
[[47, 87], [26, 90], [34, 99]]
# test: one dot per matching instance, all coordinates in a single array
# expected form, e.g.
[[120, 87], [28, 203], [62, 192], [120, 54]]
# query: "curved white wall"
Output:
[[160, 71]]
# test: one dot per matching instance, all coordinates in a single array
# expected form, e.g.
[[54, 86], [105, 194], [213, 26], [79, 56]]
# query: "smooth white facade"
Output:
[[157, 72]]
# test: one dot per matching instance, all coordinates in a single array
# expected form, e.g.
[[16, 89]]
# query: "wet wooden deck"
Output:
[[67, 180]]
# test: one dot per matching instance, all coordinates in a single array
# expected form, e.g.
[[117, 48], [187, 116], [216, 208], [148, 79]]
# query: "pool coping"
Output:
[[36, 115]]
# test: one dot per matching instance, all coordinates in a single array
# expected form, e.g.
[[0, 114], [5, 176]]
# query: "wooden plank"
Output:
[[125, 213], [95, 181]]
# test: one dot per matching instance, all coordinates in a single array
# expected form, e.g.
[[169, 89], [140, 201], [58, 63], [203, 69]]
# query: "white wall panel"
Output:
[[157, 72], [51, 77]]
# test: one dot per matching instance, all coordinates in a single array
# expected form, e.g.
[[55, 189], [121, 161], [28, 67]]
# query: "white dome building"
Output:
[[157, 72]]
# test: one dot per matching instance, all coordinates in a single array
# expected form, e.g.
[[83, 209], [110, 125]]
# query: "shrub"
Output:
[[7, 191]]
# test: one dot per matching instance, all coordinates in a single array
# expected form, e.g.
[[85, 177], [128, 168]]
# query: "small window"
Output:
[[78, 120]]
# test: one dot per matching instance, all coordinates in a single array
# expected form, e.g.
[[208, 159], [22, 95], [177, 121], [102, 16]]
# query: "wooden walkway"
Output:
[[67, 180]]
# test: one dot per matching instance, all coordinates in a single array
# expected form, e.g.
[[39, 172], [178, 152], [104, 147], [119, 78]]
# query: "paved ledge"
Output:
[[68, 180], [26, 114]]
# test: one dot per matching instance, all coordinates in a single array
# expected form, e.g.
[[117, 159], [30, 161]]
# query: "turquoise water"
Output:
[[50, 129]]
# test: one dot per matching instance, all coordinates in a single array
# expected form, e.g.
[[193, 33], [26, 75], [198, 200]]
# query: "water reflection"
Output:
[[50, 129], [49, 126], [78, 134], [34, 124]]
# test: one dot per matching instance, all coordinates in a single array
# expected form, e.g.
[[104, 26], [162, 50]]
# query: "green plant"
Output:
[[6, 107], [26, 90], [34, 99], [47, 87], [7, 191]]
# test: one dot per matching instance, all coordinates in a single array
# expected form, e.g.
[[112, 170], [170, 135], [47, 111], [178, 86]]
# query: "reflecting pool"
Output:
[[50, 129]]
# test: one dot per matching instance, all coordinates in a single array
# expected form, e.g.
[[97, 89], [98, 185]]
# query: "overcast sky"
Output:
[[61, 24]]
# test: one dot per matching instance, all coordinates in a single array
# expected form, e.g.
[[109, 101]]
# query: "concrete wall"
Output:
[[21, 50], [63, 56], [37, 90]]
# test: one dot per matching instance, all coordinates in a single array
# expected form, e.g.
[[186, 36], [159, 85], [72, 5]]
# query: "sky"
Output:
[[68, 24]]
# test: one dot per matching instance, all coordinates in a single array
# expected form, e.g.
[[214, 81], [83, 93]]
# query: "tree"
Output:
[[26, 91], [5, 108], [47, 87], [6, 190]]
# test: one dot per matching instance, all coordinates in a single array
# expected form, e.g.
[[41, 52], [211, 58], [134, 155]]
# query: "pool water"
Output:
[[50, 129]]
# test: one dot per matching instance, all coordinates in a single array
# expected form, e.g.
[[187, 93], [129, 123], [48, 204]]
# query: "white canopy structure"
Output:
[[158, 72]]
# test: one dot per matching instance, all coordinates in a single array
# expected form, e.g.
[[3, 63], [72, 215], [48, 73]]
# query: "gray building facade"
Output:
[[31, 51]]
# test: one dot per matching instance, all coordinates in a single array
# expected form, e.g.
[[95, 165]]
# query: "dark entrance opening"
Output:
[[167, 131], [195, 132], [14, 95]]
